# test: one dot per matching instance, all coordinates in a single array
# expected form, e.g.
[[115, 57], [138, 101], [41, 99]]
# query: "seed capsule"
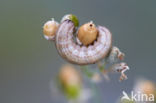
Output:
[[49, 29], [71, 81], [146, 87], [69, 76], [87, 33]]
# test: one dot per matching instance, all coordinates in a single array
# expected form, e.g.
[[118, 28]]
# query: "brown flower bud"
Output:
[[69, 76], [49, 29], [148, 87], [87, 33]]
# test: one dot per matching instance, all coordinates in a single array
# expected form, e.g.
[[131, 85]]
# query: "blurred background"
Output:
[[28, 62]]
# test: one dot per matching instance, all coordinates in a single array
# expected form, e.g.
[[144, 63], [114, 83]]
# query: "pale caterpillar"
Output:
[[76, 48], [82, 55]]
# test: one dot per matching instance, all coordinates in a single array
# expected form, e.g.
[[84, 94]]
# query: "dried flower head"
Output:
[[121, 68], [115, 55]]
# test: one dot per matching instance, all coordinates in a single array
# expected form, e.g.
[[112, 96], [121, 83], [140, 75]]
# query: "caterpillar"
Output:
[[82, 55]]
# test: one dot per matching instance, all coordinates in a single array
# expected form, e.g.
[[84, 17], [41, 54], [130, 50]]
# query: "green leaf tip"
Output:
[[71, 17]]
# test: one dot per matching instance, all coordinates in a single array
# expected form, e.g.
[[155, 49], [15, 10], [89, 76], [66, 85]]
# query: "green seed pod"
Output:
[[72, 91], [71, 17]]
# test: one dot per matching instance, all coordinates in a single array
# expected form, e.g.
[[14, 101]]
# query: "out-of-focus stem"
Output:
[[86, 71]]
